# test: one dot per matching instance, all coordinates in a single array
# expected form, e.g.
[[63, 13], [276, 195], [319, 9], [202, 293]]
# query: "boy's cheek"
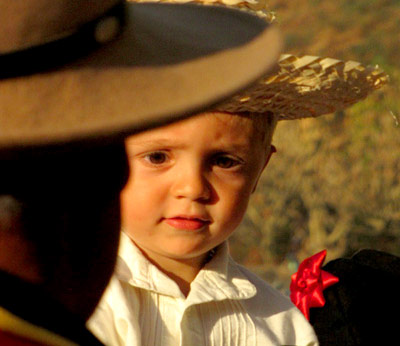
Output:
[[237, 203]]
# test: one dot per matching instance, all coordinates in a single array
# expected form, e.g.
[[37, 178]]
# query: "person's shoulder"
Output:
[[266, 294], [369, 285], [274, 313], [264, 289]]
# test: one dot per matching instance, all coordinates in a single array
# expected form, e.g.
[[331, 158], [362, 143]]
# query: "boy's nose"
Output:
[[192, 184]]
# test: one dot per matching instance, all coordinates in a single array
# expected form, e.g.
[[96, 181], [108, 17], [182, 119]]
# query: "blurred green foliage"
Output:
[[334, 183]]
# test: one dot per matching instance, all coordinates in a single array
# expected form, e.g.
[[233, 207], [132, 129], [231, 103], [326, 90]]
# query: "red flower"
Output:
[[309, 282]]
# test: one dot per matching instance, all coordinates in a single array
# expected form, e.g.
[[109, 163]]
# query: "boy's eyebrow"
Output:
[[165, 142], [153, 142], [175, 143]]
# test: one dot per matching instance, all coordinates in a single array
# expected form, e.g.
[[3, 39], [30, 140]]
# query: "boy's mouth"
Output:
[[186, 222]]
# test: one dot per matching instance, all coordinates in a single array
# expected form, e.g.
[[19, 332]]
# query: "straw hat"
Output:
[[306, 86], [73, 70]]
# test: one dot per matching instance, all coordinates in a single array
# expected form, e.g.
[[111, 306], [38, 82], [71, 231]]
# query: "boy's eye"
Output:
[[223, 161], [156, 158]]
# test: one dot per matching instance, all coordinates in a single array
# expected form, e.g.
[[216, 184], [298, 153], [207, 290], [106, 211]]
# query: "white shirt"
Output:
[[227, 305]]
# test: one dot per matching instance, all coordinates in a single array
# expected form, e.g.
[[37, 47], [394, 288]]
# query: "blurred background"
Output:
[[334, 183]]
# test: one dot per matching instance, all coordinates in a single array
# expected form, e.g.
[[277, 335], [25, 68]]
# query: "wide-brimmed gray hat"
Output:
[[72, 70]]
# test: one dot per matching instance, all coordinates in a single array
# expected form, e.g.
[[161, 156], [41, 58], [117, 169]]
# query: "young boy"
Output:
[[190, 183], [175, 283]]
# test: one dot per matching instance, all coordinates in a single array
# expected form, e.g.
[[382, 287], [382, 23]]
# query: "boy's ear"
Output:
[[271, 151]]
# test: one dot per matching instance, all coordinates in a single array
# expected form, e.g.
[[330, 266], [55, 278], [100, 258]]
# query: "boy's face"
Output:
[[190, 184]]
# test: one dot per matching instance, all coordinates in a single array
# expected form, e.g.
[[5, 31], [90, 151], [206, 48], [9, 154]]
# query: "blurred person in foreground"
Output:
[[77, 77], [190, 183]]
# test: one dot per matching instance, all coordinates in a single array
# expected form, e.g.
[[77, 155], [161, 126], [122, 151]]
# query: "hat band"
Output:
[[55, 53]]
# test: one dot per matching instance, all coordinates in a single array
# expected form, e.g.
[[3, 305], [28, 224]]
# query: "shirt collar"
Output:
[[220, 279], [135, 269]]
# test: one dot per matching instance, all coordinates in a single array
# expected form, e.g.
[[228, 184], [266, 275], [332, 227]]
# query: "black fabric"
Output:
[[359, 309], [30, 303]]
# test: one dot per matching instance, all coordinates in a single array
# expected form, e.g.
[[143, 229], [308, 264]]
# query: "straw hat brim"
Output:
[[308, 86], [302, 86], [170, 61]]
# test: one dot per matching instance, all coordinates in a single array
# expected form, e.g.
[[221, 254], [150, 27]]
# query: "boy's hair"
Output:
[[264, 125]]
